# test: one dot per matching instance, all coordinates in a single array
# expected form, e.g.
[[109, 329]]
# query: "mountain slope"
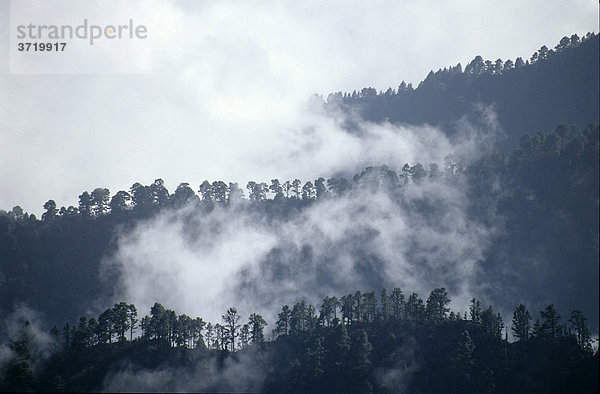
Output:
[[558, 86]]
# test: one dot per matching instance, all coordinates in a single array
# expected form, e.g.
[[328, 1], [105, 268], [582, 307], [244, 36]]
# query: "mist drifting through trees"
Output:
[[320, 285]]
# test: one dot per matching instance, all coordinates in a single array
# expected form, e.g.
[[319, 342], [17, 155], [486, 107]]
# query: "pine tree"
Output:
[[521, 323], [582, 333], [475, 311], [437, 305], [397, 303], [283, 322], [231, 320], [257, 325], [550, 321], [359, 361]]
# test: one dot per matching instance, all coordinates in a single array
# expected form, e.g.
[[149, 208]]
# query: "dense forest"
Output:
[[524, 212], [361, 342], [558, 85], [548, 199]]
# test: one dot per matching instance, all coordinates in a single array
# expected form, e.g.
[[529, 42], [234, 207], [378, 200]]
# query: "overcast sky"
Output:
[[225, 99]]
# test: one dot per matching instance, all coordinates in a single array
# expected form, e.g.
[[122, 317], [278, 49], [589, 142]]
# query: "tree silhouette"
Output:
[[521, 323], [231, 325]]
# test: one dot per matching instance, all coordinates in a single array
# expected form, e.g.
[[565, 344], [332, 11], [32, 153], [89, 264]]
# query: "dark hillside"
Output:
[[555, 86], [543, 200]]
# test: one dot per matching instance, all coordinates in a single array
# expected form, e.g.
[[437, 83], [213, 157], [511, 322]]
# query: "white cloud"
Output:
[[201, 263], [228, 85]]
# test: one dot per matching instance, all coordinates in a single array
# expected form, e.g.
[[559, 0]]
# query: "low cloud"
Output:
[[417, 237], [242, 372], [406, 362], [24, 323], [228, 85]]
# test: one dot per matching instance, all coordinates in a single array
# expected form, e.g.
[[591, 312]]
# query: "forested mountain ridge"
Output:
[[548, 199], [512, 225], [361, 342], [558, 85]]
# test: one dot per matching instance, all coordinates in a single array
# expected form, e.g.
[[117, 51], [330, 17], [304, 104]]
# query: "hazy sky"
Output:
[[226, 97]]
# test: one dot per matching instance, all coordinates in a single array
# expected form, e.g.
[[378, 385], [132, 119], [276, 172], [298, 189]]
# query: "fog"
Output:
[[229, 83], [25, 324], [418, 238], [229, 97], [241, 373]]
